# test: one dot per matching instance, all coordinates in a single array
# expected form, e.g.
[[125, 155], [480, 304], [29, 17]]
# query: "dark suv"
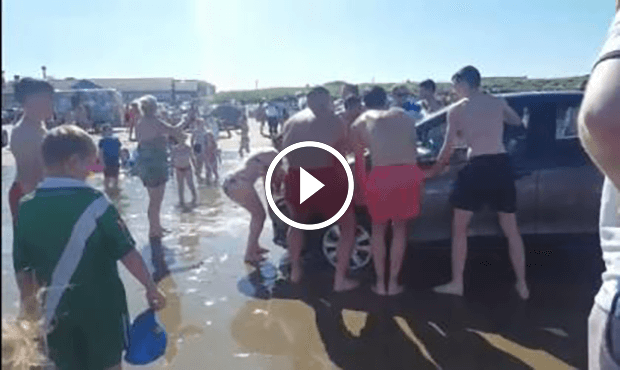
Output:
[[558, 187]]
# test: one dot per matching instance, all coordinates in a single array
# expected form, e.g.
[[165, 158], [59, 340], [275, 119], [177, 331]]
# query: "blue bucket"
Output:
[[147, 339]]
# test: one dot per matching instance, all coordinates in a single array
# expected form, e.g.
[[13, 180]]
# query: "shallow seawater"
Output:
[[222, 314]]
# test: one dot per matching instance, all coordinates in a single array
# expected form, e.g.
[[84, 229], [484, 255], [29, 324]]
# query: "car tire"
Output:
[[361, 256]]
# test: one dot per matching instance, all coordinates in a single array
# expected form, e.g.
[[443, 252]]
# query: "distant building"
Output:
[[164, 89]]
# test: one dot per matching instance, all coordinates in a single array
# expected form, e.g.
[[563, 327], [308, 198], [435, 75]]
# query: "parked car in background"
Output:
[[228, 117], [558, 187], [11, 115], [104, 105]]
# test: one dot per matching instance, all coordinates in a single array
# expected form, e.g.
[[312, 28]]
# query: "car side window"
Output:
[[566, 121]]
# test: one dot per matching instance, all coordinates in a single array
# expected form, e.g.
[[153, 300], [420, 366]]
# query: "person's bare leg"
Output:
[[247, 197], [397, 254], [460, 223], [156, 196], [181, 186], [190, 184], [377, 244], [199, 166], [208, 173], [214, 169], [508, 222], [295, 242], [345, 247]]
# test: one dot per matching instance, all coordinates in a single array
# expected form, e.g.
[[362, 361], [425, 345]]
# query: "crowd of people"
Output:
[[68, 234]]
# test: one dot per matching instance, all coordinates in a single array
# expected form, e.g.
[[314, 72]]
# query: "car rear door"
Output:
[[569, 185]]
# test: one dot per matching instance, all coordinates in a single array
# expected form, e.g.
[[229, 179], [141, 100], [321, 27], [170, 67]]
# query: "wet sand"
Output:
[[222, 314]]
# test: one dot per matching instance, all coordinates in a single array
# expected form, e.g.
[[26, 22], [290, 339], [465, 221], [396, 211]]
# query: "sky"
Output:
[[234, 43]]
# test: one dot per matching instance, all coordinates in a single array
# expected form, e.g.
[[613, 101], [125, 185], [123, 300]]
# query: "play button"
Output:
[[309, 186]]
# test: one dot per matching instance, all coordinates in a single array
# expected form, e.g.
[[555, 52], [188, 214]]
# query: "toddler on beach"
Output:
[[109, 150], [68, 239], [239, 186], [183, 161], [244, 145]]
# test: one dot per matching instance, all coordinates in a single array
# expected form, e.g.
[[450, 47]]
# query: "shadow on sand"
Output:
[[491, 328]]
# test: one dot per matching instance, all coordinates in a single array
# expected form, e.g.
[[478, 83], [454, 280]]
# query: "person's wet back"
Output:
[[393, 186], [318, 123], [67, 241], [487, 179]]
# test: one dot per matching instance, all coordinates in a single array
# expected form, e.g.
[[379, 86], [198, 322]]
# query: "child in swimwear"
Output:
[[239, 186], [125, 157], [68, 240], [198, 132], [245, 137], [183, 159], [109, 150], [211, 158]]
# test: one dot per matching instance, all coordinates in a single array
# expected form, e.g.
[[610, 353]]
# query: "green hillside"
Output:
[[491, 84]]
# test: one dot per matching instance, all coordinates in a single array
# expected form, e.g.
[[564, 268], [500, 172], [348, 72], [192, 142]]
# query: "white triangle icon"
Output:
[[308, 185]]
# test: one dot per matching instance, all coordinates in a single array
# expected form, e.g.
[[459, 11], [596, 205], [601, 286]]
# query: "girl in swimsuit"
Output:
[[183, 159], [211, 156], [239, 186], [198, 145]]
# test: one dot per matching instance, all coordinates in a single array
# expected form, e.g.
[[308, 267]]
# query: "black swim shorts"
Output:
[[486, 180]]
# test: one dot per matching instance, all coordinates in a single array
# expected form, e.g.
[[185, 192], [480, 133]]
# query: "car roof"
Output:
[[517, 99]]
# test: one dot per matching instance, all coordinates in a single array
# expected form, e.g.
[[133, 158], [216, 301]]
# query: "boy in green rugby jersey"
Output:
[[67, 241]]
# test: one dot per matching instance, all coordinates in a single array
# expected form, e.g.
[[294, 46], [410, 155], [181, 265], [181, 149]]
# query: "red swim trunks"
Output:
[[15, 194], [393, 192], [327, 201]]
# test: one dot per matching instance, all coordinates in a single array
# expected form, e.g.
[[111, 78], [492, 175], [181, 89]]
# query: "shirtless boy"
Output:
[[318, 123], [430, 103], [393, 186], [35, 96], [488, 178]]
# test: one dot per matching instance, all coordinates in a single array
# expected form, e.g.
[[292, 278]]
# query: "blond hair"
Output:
[[148, 105], [64, 141], [20, 346]]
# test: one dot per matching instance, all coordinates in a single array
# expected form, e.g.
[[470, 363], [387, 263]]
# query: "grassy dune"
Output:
[[492, 84]]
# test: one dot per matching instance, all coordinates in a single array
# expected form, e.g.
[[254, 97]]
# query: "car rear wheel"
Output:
[[361, 255]]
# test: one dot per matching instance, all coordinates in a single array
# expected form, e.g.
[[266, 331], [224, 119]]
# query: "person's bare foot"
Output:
[[253, 260], [395, 289], [378, 289], [296, 274], [450, 288], [262, 250], [522, 290], [345, 284]]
